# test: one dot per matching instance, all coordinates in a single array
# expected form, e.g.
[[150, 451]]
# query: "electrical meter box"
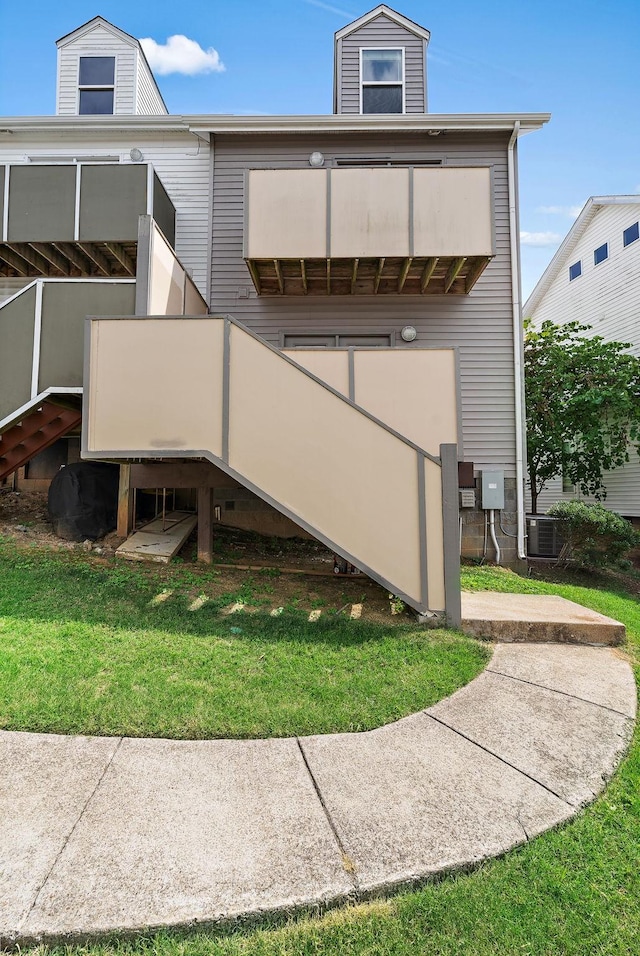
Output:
[[493, 490]]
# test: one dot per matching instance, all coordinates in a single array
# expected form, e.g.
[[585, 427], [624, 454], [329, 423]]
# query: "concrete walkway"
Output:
[[105, 834]]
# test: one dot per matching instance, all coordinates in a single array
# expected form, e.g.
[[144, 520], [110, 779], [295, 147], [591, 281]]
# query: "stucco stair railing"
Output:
[[207, 387]]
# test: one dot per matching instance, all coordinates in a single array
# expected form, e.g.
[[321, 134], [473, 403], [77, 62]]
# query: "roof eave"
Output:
[[383, 10], [327, 123]]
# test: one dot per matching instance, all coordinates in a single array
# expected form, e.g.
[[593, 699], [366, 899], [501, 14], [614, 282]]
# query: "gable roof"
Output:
[[380, 10], [117, 32], [94, 22], [589, 212]]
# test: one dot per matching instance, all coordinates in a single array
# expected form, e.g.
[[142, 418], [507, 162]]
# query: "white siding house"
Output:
[[102, 69], [594, 279]]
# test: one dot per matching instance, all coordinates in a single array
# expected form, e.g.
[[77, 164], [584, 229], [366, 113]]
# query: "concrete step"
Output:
[[535, 617]]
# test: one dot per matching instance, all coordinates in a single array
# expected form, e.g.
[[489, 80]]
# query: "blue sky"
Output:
[[575, 60]]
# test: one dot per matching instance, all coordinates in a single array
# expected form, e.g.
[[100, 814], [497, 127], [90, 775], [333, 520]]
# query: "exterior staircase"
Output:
[[211, 389], [38, 430]]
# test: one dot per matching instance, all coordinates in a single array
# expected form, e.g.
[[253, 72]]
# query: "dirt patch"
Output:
[[272, 572]]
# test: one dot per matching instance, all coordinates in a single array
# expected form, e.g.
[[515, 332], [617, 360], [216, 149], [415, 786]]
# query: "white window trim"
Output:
[[96, 86], [605, 259], [402, 49]]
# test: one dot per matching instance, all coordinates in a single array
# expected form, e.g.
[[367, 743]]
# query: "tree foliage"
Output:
[[583, 406], [593, 536]]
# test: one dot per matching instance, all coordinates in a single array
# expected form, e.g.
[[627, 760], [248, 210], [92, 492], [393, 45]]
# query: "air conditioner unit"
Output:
[[543, 537]]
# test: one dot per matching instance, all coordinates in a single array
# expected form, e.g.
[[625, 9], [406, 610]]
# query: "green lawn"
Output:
[[571, 892], [83, 649]]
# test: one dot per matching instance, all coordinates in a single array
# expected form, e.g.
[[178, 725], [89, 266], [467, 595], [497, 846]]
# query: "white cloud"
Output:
[[540, 238], [571, 211], [181, 55]]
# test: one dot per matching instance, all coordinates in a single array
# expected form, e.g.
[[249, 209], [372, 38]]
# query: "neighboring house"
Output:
[[594, 279], [368, 260]]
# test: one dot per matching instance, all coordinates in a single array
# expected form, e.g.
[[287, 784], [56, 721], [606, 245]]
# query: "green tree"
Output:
[[583, 406]]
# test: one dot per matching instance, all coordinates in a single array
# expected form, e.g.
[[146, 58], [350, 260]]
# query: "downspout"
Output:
[[518, 345]]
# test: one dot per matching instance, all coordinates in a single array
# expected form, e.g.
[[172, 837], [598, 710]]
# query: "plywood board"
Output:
[[157, 543]]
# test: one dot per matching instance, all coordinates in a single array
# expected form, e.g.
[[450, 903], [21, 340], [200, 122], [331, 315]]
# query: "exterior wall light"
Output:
[[136, 155], [408, 333], [316, 159]]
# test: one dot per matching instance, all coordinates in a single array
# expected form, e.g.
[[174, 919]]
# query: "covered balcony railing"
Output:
[[71, 220], [368, 230]]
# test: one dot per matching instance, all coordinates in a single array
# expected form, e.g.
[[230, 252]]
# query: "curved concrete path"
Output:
[[99, 835]]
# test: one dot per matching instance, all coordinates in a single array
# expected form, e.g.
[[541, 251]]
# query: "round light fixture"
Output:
[[408, 333], [136, 155], [316, 159]]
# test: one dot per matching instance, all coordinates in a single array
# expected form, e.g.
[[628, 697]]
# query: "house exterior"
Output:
[[594, 279], [367, 260]]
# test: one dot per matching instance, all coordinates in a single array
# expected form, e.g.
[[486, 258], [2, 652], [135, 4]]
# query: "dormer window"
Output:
[[382, 80], [96, 84]]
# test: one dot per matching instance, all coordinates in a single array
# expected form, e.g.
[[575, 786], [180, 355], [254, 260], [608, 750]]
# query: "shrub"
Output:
[[594, 537]]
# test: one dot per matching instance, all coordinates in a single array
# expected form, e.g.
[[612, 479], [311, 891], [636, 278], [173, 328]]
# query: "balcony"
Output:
[[368, 231], [77, 219]]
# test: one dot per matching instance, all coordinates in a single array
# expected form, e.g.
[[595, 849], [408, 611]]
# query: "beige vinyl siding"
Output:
[[607, 297], [623, 491], [478, 325], [97, 42], [182, 163], [381, 32], [148, 102]]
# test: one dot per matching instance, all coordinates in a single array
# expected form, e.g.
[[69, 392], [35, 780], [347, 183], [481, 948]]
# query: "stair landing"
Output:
[[535, 617]]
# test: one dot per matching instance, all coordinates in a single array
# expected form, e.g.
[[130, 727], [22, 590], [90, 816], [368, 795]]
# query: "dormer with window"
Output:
[[103, 70], [381, 64]]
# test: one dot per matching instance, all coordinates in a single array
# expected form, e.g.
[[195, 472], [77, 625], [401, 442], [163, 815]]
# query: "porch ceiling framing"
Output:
[[382, 275], [68, 259]]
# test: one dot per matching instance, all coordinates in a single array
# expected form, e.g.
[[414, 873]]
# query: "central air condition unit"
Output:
[[543, 537]]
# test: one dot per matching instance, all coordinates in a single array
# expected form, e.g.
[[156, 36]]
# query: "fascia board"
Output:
[[587, 215], [328, 123], [384, 10], [90, 25], [562, 254]]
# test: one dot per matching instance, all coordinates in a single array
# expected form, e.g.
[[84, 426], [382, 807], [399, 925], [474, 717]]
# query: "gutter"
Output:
[[327, 123], [518, 342]]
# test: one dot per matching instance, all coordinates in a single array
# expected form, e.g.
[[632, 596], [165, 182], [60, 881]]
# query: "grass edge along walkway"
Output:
[[86, 648], [570, 892]]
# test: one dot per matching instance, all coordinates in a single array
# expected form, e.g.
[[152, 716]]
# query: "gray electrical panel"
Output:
[[493, 490]]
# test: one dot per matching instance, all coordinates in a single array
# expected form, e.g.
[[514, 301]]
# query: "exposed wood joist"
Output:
[[376, 281], [276, 264], [55, 258], [354, 275], [30, 255], [427, 272], [476, 268], [14, 260], [453, 272], [77, 258], [255, 275], [97, 257], [122, 256], [404, 273]]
